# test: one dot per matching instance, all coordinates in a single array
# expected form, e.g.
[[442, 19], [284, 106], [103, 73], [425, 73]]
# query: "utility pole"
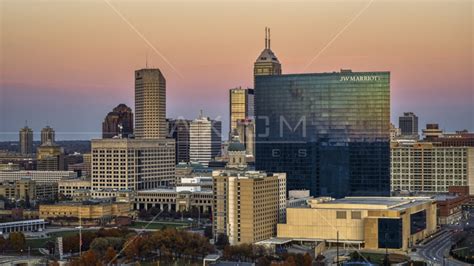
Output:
[[80, 233], [337, 248]]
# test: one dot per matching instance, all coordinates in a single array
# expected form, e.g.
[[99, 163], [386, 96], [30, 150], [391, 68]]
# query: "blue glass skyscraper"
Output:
[[328, 131]]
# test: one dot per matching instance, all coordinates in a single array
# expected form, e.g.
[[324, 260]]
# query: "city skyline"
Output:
[[86, 74]]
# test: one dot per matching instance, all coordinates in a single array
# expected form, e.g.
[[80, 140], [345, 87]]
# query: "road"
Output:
[[438, 249]]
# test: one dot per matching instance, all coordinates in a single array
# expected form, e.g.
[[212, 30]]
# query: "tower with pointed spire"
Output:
[[267, 63]]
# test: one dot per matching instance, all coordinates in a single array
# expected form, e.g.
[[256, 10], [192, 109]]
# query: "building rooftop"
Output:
[[171, 190], [375, 203]]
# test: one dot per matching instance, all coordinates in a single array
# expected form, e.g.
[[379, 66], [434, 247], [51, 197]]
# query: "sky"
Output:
[[68, 63]]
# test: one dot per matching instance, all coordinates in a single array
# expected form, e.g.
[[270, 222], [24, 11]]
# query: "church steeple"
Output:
[[267, 63]]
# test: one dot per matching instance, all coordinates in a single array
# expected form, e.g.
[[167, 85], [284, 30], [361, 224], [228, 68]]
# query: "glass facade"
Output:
[[329, 132], [390, 233], [417, 222], [241, 106]]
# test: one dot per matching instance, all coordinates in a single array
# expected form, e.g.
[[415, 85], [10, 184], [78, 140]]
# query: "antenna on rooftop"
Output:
[[268, 38]]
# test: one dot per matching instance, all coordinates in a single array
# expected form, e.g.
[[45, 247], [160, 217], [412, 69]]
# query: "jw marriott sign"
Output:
[[359, 78]]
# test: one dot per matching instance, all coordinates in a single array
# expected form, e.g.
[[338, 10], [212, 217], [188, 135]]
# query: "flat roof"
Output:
[[171, 190], [385, 203]]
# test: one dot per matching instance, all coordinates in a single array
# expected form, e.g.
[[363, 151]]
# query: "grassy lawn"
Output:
[[159, 225], [378, 258], [39, 242]]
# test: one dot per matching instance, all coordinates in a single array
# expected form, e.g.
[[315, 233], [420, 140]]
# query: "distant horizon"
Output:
[[68, 64]]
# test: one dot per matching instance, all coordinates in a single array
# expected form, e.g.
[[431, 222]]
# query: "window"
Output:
[[340, 214], [356, 215]]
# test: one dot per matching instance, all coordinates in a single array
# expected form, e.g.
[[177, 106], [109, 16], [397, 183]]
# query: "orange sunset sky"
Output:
[[68, 63]]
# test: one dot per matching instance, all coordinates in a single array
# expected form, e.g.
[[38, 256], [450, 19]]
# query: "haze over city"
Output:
[[68, 63]]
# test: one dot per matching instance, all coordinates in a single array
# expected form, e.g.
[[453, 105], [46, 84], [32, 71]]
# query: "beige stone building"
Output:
[[177, 199], [93, 211], [267, 63], [27, 189], [67, 187], [50, 157], [38, 176], [248, 204], [370, 222], [150, 104], [132, 164]]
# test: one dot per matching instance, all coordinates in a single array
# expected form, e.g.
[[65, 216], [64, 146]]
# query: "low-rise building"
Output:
[[394, 223], [28, 190], [450, 207], [90, 212], [67, 187], [22, 226], [175, 199], [38, 176]]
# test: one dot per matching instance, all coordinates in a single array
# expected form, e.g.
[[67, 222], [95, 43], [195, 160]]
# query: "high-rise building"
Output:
[[432, 131], [267, 63], [132, 164], [330, 132], [248, 205], [178, 129], [47, 135], [50, 157], [245, 130], [119, 122], [26, 140], [204, 140], [425, 168], [408, 124], [241, 106], [150, 104]]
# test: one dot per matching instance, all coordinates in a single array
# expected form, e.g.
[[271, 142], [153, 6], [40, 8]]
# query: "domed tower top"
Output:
[[267, 63]]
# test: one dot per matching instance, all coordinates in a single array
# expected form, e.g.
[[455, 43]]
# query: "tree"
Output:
[[222, 241], [109, 256], [307, 260], [89, 258], [208, 232], [99, 245], [17, 241], [3, 243], [290, 261]]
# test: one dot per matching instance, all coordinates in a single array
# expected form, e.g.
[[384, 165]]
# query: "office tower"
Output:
[[47, 135], [440, 138], [178, 129], [408, 124], [248, 205], [50, 157], [150, 104], [26, 140], [118, 123], [132, 164], [204, 140], [423, 167], [241, 106], [330, 132], [267, 63], [245, 130], [432, 131]]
